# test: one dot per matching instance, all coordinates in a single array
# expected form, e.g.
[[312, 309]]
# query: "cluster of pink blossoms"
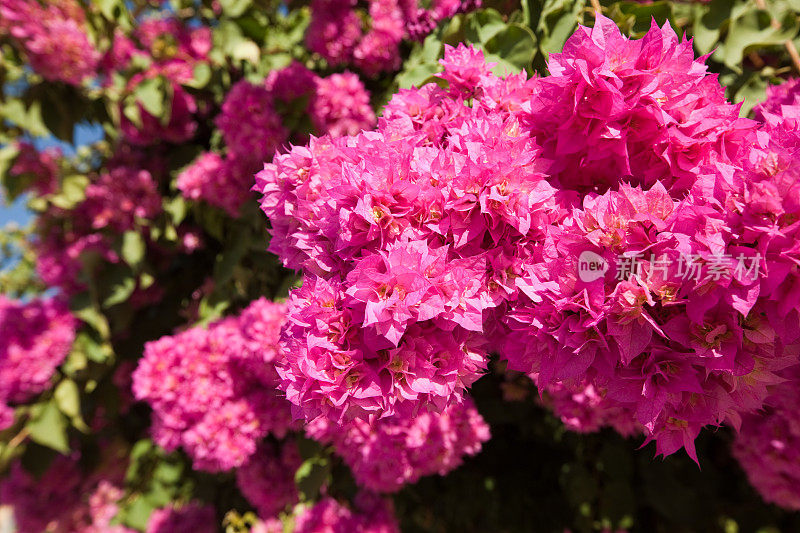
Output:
[[372, 514], [68, 499], [336, 32], [768, 200], [780, 108], [175, 50], [127, 195], [191, 517], [583, 407], [253, 129], [36, 337], [116, 199], [65, 499], [32, 512], [119, 200], [340, 105], [768, 447], [267, 479], [59, 249], [53, 37], [395, 451], [39, 169], [462, 225], [213, 390]]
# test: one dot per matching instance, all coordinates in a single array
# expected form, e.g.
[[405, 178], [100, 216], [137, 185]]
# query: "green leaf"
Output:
[[48, 427], [159, 494], [246, 50], [515, 44], [707, 27], [558, 20], [168, 473], [270, 62], [154, 95], [133, 248], [231, 256], [212, 220], [212, 307], [140, 449], [7, 155], [93, 350], [483, 25], [201, 76], [311, 476], [27, 118], [417, 76], [114, 11], [176, 207], [753, 29], [82, 307], [68, 398], [138, 513], [752, 91], [422, 63], [75, 362], [636, 18], [132, 112], [235, 8], [118, 284], [230, 42], [73, 191]]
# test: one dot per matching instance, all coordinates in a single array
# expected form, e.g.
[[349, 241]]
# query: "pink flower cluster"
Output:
[[395, 451], [267, 479], [782, 104], [39, 169], [65, 499], [768, 202], [181, 125], [53, 37], [373, 514], [60, 246], [175, 50], [583, 407], [250, 125], [340, 105], [419, 21], [168, 40], [213, 390], [188, 518], [216, 180], [253, 129], [335, 365], [337, 35], [38, 503], [100, 510], [768, 447], [464, 224], [122, 199], [37, 336]]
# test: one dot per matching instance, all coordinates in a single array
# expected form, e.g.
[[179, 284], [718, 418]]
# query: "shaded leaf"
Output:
[[48, 427]]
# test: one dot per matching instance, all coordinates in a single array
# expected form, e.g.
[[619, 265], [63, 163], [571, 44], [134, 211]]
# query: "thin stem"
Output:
[[756, 59], [792, 49], [18, 438], [598, 9]]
